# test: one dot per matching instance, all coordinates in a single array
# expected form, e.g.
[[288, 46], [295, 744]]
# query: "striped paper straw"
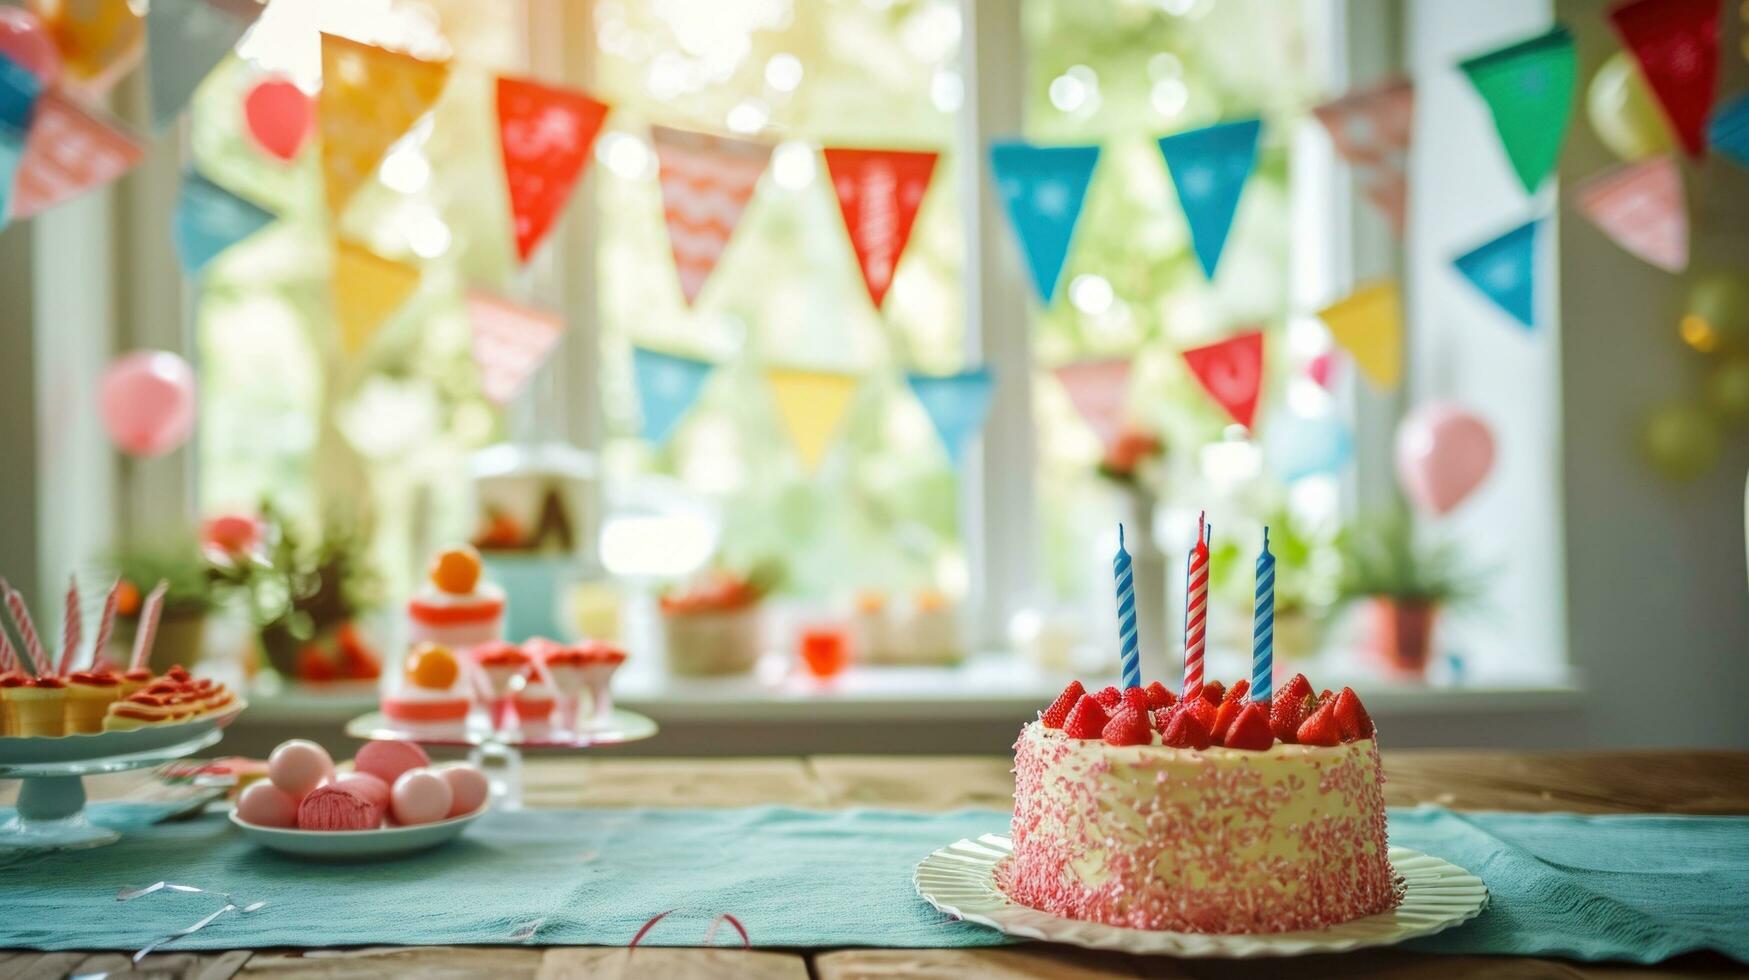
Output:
[[1196, 609], [148, 629], [1263, 626], [105, 624], [1129, 652], [72, 627], [34, 657]]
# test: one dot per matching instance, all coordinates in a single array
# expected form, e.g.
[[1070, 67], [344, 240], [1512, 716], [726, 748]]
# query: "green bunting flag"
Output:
[[1529, 89]]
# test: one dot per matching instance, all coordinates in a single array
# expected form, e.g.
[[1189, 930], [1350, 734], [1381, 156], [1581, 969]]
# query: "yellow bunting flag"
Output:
[[1369, 325], [811, 404], [367, 288], [370, 98]]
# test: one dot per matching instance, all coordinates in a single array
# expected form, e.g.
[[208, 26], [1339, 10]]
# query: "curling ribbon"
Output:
[[721, 917]]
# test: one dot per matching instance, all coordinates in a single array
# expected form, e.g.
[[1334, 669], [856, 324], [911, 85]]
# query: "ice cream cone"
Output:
[[89, 696], [36, 708]]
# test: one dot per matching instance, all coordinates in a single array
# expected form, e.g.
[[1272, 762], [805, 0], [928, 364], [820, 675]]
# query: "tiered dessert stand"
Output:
[[499, 753], [51, 803]]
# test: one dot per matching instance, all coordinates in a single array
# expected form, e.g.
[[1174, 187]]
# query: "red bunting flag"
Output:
[[545, 134], [1677, 45], [69, 151], [1371, 129], [1232, 373], [879, 192], [1640, 207], [510, 343], [706, 184]]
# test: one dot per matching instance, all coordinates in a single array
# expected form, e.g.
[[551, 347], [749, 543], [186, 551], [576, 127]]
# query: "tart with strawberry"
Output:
[[1216, 813]]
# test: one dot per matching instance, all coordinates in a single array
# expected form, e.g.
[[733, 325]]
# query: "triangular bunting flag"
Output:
[[510, 343], [1209, 168], [1371, 129], [811, 404], [71, 149], [1042, 189], [1677, 45], [370, 98], [1503, 270], [956, 403], [878, 193], [1100, 392], [19, 90], [1529, 89], [367, 289], [1730, 129], [667, 385], [1640, 207], [210, 219], [1369, 326], [1297, 447], [706, 184], [185, 39], [1232, 373], [545, 134], [101, 41]]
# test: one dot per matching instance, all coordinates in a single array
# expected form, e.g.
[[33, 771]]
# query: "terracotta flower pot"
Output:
[[1400, 634]]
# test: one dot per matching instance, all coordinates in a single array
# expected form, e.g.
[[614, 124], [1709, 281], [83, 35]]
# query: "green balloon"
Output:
[[1718, 313], [1623, 111], [1727, 391], [1681, 440]]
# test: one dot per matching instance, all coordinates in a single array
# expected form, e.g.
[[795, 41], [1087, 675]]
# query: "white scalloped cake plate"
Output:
[[960, 879]]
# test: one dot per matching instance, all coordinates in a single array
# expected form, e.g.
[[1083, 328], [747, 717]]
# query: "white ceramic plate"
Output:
[[18, 750], [960, 880], [357, 845]]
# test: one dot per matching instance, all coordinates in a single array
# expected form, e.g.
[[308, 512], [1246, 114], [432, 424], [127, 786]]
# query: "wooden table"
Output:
[[1593, 782]]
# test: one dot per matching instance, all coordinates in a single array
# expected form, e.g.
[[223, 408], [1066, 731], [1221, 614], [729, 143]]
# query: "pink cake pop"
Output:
[[299, 766], [421, 796], [387, 760], [266, 805], [467, 785]]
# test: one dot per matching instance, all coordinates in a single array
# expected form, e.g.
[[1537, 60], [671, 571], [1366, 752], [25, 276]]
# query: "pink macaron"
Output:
[[387, 760], [299, 766], [420, 796], [266, 805], [467, 787]]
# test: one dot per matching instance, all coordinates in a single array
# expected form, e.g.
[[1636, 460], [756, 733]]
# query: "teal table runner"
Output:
[[1639, 888]]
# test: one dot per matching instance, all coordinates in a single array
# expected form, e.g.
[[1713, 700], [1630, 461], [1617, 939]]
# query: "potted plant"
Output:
[[191, 594], [1403, 585], [713, 625], [304, 597]]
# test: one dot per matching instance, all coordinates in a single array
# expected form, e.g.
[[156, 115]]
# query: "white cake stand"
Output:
[[499, 753], [51, 803]]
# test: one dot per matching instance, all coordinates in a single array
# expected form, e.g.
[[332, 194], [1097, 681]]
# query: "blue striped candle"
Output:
[[1263, 627], [1129, 653]]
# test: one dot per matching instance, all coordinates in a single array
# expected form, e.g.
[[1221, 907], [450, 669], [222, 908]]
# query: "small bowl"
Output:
[[357, 845]]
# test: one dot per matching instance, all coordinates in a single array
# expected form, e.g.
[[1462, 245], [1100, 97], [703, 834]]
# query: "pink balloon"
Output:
[[146, 400], [280, 116], [1443, 454], [25, 40]]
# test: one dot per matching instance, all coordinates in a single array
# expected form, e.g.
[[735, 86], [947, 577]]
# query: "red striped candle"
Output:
[[72, 629], [1196, 604]]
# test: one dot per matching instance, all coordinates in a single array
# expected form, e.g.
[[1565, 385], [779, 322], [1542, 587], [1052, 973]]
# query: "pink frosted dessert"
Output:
[[534, 705], [342, 805], [585, 667], [1213, 815]]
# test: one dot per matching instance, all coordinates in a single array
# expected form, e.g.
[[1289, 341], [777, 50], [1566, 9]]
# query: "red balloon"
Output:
[[1443, 454], [146, 402], [25, 40], [280, 116]]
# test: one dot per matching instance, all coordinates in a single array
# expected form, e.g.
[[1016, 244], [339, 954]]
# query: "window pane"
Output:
[[787, 291]]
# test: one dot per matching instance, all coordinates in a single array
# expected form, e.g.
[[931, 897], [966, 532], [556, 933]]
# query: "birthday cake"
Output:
[[1211, 814]]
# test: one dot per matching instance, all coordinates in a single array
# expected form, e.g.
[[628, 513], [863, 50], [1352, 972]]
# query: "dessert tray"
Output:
[[51, 802], [366, 845], [960, 880]]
